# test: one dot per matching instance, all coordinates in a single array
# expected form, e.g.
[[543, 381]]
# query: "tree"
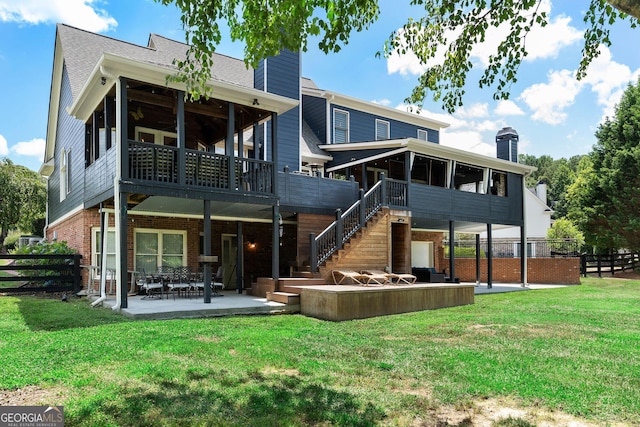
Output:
[[605, 198], [558, 174], [267, 27], [23, 196], [565, 236]]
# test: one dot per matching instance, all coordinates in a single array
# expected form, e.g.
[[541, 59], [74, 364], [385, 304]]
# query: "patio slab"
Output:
[[229, 304]]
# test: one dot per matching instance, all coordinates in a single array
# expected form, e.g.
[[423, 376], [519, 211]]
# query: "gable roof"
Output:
[[83, 49], [88, 57]]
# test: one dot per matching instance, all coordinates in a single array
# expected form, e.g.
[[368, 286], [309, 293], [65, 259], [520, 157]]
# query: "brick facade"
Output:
[[507, 270], [77, 232]]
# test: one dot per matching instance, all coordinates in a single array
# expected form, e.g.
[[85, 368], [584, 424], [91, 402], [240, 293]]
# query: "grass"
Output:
[[572, 349], [6, 274]]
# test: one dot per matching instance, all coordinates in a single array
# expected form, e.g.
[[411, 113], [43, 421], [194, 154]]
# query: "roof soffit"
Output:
[[111, 66], [376, 109], [434, 150]]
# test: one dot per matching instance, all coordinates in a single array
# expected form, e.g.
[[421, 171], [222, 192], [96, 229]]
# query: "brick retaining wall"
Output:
[[507, 270]]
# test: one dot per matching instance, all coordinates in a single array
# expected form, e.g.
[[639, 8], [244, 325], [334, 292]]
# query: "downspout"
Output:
[[116, 184], [104, 227], [328, 139]]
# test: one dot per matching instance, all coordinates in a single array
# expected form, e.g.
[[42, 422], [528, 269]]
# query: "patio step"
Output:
[[283, 297], [293, 284]]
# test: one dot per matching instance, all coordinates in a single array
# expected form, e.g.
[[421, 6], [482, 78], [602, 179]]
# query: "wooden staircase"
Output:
[[368, 248]]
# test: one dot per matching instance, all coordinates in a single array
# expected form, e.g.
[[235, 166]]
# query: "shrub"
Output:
[[44, 248], [464, 252], [11, 241]]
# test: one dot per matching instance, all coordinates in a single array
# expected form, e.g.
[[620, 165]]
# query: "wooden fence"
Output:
[[41, 273], [609, 263]]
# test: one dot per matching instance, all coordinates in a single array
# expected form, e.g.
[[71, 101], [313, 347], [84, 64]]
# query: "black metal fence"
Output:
[[41, 273], [609, 263], [538, 248]]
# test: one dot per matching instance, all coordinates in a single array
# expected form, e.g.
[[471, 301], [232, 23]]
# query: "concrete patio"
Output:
[[229, 304], [232, 303]]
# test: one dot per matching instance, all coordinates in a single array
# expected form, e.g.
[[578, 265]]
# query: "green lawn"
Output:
[[573, 349]]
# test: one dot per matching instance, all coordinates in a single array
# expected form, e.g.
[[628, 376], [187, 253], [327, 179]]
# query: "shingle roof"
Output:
[[311, 142], [83, 49]]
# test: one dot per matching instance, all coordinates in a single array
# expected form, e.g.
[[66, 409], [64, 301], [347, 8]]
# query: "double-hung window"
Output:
[[340, 126], [155, 248], [96, 242], [422, 135], [382, 130]]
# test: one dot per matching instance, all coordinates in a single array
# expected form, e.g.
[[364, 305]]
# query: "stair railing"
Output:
[[346, 224]]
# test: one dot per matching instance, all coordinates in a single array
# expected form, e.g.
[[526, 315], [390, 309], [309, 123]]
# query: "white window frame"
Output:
[[159, 233], [346, 130], [96, 256], [158, 134], [65, 184], [424, 133], [388, 133]]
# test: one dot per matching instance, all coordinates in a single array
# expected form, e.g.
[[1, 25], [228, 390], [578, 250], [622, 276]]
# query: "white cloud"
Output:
[[34, 148], [550, 100], [468, 140], [468, 135], [79, 13], [476, 110], [609, 79], [385, 102], [541, 43], [605, 77], [4, 147], [508, 108], [407, 64]]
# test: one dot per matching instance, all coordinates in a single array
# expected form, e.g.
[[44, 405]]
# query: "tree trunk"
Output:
[[632, 7]]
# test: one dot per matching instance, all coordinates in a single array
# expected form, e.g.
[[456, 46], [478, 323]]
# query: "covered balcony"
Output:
[[208, 149]]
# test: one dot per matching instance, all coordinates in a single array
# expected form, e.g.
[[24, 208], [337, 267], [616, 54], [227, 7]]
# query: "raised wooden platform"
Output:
[[346, 302]]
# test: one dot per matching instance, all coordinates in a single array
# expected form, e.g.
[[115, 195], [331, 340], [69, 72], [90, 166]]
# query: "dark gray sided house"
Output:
[[271, 177]]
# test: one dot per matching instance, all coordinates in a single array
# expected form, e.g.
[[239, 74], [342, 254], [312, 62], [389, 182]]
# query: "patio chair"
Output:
[[395, 278], [217, 284], [180, 281], [150, 285]]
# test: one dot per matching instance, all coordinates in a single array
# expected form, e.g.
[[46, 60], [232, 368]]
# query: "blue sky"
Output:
[[553, 113]]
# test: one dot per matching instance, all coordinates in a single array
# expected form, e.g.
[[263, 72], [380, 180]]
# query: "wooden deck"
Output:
[[346, 302]]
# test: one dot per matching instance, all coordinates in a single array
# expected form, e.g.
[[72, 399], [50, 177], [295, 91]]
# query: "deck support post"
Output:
[[477, 259], [181, 143], [523, 257], [452, 256], [275, 250], [207, 251], [489, 258], [239, 258]]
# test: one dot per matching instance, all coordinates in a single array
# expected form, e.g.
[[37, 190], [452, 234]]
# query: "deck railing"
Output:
[[353, 219], [159, 163]]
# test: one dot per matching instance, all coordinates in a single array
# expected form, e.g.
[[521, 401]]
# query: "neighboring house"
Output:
[[140, 177], [537, 222]]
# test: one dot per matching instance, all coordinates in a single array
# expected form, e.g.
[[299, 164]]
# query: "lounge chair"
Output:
[[394, 278], [344, 277]]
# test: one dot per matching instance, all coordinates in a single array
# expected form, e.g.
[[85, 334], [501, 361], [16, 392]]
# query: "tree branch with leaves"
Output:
[[267, 27]]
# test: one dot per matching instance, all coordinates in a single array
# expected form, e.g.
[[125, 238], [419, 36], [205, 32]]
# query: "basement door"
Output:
[[422, 254], [229, 258]]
